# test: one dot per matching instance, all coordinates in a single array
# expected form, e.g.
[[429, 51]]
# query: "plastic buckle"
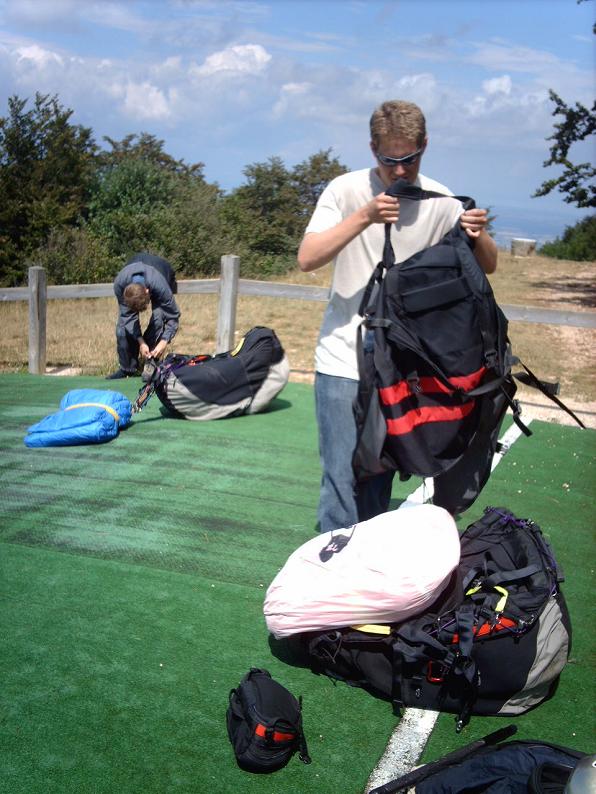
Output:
[[414, 382], [491, 359], [435, 677]]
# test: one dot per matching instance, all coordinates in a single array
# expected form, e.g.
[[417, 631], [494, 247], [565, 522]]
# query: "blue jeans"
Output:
[[341, 504]]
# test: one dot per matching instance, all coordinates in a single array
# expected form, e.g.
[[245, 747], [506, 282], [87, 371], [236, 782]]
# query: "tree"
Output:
[[577, 125], [267, 216], [578, 242], [262, 218], [46, 175], [145, 199], [147, 148], [189, 229], [125, 200], [312, 176]]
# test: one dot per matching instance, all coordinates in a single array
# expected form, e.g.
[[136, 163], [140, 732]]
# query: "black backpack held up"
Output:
[[434, 367], [265, 723], [495, 642]]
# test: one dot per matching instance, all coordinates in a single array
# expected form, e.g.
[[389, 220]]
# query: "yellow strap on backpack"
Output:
[[502, 601], [238, 347], [378, 628], [107, 408], [373, 628]]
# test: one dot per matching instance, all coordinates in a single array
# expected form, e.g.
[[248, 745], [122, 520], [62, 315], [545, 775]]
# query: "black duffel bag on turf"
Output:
[[241, 381], [264, 723], [494, 643]]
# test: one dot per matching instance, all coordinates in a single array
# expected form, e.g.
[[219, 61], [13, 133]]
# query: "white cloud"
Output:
[[535, 68], [145, 101], [240, 59], [117, 16], [498, 85], [296, 88], [38, 55], [423, 88], [289, 94], [499, 55], [74, 14], [40, 12]]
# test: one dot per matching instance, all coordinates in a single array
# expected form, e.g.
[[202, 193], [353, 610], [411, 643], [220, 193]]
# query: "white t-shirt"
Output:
[[420, 225]]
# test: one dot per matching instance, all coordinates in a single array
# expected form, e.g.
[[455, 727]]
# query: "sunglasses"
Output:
[[409, 159]]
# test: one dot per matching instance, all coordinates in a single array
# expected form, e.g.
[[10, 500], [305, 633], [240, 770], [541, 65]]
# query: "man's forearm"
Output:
[[486, 252], [320, 248]]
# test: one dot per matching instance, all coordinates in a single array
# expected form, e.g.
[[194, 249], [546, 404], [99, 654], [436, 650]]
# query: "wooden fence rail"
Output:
[[228, 286]]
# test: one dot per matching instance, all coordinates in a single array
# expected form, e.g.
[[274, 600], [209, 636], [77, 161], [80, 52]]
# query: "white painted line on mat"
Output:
[[407, 742], [424, 493], [404, 748]]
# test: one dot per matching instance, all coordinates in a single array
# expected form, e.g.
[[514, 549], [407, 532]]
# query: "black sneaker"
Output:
[[120, 373]]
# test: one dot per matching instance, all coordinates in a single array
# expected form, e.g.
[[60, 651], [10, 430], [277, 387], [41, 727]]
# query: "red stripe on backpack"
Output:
[[391, 395], [422, 416]]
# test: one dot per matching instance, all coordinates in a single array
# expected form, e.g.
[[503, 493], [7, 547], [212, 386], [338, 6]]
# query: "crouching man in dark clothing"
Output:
[[145, 279]]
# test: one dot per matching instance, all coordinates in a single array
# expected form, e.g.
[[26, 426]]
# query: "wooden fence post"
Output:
[[228, 300], [38, 291]]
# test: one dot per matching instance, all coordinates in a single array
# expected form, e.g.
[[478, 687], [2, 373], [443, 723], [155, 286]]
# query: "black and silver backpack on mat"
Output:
[[242, 381]]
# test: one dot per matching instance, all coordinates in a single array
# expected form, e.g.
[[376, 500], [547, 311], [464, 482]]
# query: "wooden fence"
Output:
[[228, 286]]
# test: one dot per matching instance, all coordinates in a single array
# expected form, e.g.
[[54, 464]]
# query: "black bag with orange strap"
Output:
[[265, 723]]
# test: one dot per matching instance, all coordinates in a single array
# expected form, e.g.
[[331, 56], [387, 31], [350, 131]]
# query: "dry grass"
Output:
[[80, 333]]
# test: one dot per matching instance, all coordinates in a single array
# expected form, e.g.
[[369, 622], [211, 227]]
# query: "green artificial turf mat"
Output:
[[117, 679], [132, 576], [156, 549]]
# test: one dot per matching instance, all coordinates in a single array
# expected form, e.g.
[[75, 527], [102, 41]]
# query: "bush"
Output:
[[266, 266], [75, 256], [189, 231], [578, 243]]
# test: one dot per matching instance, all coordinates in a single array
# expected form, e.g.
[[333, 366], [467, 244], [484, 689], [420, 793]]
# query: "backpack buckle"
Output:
[[413, 382], [435, 676], [491, 359]]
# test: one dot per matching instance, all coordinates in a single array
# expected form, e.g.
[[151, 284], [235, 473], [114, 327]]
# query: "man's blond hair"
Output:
[[398, 119], [136, 297]]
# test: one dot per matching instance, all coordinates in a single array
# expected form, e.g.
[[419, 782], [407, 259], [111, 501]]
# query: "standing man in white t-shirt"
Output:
[[347, 229]]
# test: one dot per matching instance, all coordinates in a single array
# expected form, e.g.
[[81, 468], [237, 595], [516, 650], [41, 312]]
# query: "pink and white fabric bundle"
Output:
[[379, 571]]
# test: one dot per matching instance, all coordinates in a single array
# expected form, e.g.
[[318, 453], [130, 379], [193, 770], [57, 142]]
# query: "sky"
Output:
[[229, 83]]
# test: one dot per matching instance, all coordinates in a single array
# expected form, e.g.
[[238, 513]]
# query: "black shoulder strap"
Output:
[[402, 189], [549, 390], [303, 747]]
